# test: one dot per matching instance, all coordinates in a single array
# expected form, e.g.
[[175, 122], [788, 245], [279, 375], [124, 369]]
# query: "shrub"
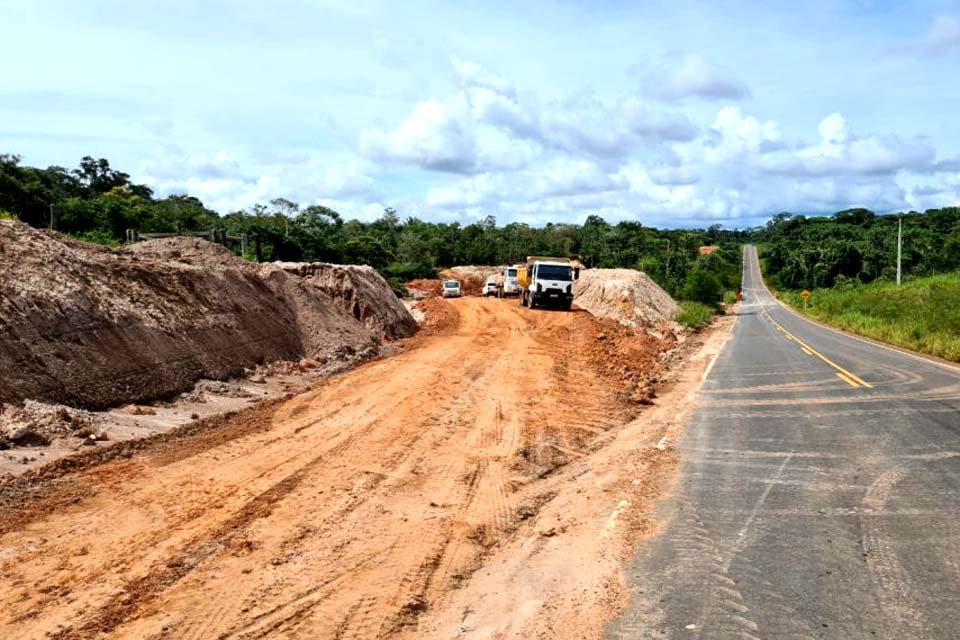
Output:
[[97, 236], [702, 286], [694, 315]]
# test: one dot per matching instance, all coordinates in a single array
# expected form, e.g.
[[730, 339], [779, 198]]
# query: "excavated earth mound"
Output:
[[358, 290], [93, 327], [625, 295]]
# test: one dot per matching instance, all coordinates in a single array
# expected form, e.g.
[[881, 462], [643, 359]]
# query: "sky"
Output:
[[670, 113]]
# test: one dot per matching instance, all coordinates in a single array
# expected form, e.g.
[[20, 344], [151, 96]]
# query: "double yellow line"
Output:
[[851, 379]]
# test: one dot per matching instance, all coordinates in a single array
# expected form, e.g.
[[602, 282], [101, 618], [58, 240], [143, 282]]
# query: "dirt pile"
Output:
[[471, 277], [358, 290], [625, 295], [424, 288], [93, 327], [436, 316]]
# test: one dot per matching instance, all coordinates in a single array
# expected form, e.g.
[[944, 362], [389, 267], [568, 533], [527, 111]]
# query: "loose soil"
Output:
[[485, 482]]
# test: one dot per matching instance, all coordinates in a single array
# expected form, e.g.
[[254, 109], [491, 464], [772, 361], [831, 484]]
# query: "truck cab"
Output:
[[547, 281], [511, 285]]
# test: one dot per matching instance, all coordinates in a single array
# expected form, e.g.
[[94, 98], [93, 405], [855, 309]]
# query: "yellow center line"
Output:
[[850, 377], [807, 351], [847, 380]]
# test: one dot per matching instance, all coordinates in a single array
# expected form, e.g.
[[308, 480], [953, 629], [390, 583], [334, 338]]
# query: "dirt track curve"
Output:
[[467, 486]]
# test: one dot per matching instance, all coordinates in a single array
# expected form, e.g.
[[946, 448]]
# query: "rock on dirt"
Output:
[[628, 296], [37, 423], [94, 327]]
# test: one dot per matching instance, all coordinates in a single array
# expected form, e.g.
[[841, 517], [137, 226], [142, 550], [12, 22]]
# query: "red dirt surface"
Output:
[[486, 482], [425, 287]]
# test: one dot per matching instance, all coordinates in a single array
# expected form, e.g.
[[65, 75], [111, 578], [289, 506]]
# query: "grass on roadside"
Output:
[[694, 315], [922, 314]]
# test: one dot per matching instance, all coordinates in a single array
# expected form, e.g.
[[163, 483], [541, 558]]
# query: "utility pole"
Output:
[[899, 245], [53, 219]]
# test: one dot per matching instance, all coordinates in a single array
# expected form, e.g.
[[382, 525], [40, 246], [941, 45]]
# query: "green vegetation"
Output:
[[857, 246], [98, 203], [849, 263], [922, 314], [694, 315]]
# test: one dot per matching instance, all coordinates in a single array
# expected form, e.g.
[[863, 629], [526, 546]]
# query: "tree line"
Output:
[[97, 203], [857, 246]]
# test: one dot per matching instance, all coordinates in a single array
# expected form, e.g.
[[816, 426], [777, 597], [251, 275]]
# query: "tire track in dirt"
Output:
[[352, 511]]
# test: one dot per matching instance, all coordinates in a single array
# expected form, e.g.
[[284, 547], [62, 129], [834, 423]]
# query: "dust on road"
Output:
[[485, 482]]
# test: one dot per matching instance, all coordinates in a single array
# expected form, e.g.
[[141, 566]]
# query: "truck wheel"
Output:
[[566, 304]]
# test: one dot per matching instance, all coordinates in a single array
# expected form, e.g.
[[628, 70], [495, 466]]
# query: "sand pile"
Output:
[[625, 295], [94, 327]]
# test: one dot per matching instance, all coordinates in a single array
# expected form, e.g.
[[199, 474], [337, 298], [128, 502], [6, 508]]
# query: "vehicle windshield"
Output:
[[511, 273], [553, 272], [451, 285]]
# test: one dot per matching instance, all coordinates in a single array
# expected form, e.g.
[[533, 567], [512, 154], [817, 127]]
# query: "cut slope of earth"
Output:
[[93, 327]]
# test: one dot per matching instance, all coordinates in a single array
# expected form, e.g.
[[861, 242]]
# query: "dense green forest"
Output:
[[99, 204], [857, 246]]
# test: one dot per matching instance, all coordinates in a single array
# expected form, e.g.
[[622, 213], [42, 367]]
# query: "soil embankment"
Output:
[[94, 327]]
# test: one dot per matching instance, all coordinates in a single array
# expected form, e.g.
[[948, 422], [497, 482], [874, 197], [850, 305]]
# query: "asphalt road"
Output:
[[819, 494]]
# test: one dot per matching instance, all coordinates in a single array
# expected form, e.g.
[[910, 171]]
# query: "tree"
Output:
[[98, 177], [702, 285]]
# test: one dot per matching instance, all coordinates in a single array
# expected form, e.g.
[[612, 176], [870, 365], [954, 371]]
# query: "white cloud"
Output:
[[436, 135], [680, 76], [842, 153], [464, 133], [621, 157], [942, 38], [222, 183], [574, 177], [834, 128], [472, 75]]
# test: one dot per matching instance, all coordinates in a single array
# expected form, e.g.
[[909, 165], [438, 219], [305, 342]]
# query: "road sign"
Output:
[[805, 295]]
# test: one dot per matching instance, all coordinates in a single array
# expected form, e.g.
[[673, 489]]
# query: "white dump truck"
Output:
[[511, 285], [547, 281]]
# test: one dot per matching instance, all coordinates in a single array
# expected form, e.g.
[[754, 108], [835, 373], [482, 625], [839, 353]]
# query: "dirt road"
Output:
[[482, 483]]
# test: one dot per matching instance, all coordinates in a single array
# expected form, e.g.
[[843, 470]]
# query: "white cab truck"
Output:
[[547, 281]]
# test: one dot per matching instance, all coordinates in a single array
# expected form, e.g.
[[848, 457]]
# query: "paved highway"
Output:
[[819, 494]]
